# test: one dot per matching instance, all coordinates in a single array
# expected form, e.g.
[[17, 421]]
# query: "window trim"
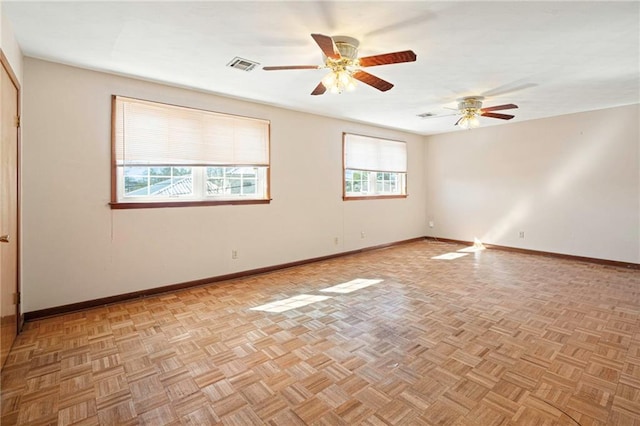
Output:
[[158, 204], [346, 197], [114, 204]]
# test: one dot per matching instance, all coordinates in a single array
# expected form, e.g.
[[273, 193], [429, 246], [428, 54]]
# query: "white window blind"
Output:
[[374, 154], [148, 133]]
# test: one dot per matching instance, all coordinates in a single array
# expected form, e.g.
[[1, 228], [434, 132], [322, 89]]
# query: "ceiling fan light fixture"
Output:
[[473, 122], [330, 80], [335, 90], [347, 80], [338, 81], [469, 120]]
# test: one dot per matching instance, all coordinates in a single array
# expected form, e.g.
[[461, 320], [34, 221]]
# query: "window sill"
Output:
[[372, 197], [163, 204]]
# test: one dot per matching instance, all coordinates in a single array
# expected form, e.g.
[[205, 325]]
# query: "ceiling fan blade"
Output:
[[319, 90], [388, 58], [511, 87], [372, 80], [292, 67], [400, 25], [428, 115], [327, 46], [499, 107], [500, 116]]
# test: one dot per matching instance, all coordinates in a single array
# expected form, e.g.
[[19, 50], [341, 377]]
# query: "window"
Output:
[[374, 167], [167, 156]]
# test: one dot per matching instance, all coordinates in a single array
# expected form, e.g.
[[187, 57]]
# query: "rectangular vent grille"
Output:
[[242, 64]]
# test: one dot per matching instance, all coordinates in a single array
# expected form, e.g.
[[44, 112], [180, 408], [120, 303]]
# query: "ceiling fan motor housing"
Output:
[[347, 46], [470, 103], [348, 49]]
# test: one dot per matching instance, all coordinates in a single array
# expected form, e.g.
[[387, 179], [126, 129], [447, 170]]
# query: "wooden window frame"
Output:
[[115, 204]]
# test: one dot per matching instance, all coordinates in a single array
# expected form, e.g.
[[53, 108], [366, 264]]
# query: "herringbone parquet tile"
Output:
[[492, 338]]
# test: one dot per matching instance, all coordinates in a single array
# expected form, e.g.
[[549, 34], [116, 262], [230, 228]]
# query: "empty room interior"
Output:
[[315, 212]]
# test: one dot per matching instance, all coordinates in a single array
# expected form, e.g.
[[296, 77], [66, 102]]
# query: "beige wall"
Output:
[[570, 183], [10, 46], [75, 248]]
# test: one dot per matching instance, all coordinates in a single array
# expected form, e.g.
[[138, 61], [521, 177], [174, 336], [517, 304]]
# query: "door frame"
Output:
[[14, 79]]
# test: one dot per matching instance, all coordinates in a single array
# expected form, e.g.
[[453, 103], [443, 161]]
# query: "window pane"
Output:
[[181, 171], [135, 186], [160, 171], [181, 186], [235, 186], [136, 171], [215, 171], [248, 187], [136, 181], [215, 186], [160, 181], [247, 171]]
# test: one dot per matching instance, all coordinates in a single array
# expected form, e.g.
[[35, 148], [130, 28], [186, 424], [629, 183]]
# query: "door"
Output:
[[8, 212]]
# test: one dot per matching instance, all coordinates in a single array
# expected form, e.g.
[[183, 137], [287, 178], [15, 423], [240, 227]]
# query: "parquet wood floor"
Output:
[[492, 338]]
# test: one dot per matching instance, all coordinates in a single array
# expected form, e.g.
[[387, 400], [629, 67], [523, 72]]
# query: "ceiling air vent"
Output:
[[426, 115], [242, 64]]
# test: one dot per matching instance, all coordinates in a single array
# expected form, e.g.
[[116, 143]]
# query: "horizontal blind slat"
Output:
[[163, 134], [369, 153]]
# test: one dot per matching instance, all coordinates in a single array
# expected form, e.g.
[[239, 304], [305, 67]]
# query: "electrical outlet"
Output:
[[363, 235], [336, 241], [521, 234], [234, 254], [431, 224]]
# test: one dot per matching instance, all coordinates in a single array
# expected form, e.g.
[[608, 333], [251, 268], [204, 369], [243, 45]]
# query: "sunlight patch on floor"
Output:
[[449, 256], [290, 303], [350, 286], [477, 246]]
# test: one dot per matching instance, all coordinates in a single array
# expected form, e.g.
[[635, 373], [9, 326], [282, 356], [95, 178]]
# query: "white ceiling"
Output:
[[549, 58]]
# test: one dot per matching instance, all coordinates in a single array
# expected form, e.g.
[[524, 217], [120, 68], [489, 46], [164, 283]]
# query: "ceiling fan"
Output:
[[470, 108], [340, 55]]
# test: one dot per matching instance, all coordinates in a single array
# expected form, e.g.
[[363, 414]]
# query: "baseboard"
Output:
[[544, 253], [88, 304]]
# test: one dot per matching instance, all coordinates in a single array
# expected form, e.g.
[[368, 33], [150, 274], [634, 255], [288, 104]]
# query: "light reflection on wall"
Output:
[[560, 182]]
